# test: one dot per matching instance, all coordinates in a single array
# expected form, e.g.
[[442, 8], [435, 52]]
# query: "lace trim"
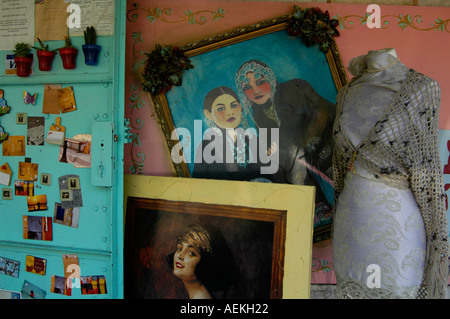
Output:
[[272, 114], [391, 150], [347, 288]]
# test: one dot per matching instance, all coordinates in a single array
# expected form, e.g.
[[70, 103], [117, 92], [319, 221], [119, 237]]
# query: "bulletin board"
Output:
[[61, 205]]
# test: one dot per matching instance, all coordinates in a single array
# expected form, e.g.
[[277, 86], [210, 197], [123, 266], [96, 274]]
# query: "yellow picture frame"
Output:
[[296, 200]]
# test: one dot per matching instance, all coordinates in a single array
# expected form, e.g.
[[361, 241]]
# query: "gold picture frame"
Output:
[[179, 108], [165, 111]]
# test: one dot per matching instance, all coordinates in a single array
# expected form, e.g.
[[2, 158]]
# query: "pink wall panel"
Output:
[[420, 45], [420, 36]]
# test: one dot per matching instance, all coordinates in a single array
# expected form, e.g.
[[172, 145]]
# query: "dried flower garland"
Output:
[[314, 26], [163, 69]]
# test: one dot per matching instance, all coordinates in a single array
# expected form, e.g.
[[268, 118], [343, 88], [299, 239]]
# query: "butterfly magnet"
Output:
[[28, 98]]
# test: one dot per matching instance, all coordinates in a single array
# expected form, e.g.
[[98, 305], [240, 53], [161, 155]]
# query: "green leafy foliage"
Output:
[[22, 49], [163, 69], [68, 42], [42, 46], [90, 36]]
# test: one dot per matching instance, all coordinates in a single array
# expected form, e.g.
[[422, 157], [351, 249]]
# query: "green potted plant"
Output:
[[164, 67], [23, 58], [68, 54], [91, 49], [45, 56]]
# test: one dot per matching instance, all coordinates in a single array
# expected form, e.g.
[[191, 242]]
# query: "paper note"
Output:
[[99, 14], [55, 137], [71, 270], [58, 100], [14, 146], [76, 151], [56, 133], [31, 291], [51, 20], [5, 179], [67, 100], [51, 99], [37, 228], [9, 267], [93, 285], [36, 130], [58, 286], [16, 23], [35, 265], [23, 188], [10, 65], [66, 216], [5, 174], [7, 294], [37, 203], [28, 171]]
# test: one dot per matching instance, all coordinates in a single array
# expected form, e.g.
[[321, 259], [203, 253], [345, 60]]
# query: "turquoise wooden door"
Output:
[[79, 205]]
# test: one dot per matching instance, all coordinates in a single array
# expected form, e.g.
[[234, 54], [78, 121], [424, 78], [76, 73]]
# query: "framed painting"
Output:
[[159, 228], [178, 232], [258, 105]]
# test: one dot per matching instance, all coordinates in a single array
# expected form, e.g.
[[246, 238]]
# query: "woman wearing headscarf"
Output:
[[304, 120], [203, 261]]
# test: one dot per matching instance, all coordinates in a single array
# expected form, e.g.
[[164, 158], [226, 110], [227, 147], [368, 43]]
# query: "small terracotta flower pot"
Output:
[[23, 65], [45, 59], [69, 57]]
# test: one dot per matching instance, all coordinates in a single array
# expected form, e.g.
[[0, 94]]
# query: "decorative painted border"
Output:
[[403, 22], [137, 103], [165, 15], [189, 17], [136, 94], [321, 265]]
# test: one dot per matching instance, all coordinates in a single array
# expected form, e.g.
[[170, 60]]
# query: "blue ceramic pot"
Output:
[[91, 52]]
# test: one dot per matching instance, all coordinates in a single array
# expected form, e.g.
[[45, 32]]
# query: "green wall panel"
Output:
[[98, 239]]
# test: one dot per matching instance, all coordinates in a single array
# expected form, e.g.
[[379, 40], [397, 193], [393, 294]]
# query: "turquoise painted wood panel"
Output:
[[97, 237]]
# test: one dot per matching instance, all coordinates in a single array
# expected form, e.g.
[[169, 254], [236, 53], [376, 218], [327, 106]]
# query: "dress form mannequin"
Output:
[[372, 92], [376, 223]]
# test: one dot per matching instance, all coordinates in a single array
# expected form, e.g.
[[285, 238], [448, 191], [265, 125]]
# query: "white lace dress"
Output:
[[375, 224]]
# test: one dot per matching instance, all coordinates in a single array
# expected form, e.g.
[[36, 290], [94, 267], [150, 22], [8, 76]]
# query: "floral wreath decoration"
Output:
[[165, 64], [163, 69], [314, 26]]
